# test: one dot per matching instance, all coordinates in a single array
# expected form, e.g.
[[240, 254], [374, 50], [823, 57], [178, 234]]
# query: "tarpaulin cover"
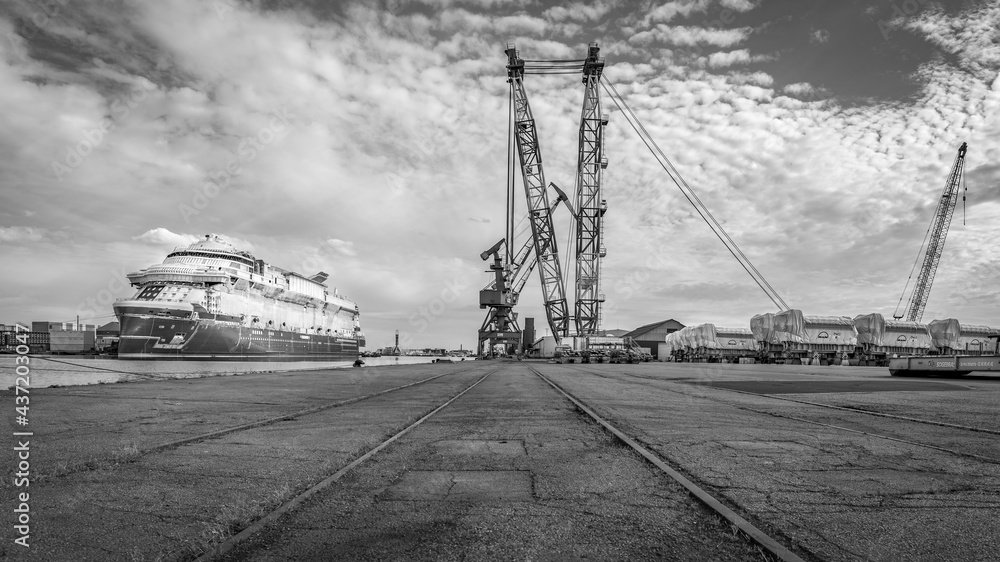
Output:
[[944, 333], [687, 336], [977, 338], [979, 331], [679, 340], [911, 335], [833, 330], [674, 339], [762, 327], [735, 338], [705, 336], [672, 342], [871, 328], [789, 326]]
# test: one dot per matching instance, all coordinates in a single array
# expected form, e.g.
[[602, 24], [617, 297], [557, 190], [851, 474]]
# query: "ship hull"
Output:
[[213, 339]]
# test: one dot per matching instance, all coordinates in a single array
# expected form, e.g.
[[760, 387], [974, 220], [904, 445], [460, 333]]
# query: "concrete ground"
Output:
[[511, 470], [843, 485]]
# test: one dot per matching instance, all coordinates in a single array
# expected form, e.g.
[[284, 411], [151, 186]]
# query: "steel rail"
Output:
[[92, 465], [758, 536], [291, 504], [868, 412], [981, 458]]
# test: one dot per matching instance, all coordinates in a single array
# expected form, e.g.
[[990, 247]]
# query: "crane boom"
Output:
[[939, 232], [539, 214], [524, 261], [588, 198]]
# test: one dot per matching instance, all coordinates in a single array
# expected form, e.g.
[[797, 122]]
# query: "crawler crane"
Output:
[[938, 232]]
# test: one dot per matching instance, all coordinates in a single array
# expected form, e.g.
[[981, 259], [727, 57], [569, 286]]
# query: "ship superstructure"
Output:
[[210, 300]]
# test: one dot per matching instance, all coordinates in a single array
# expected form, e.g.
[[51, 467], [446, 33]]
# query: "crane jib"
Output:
[[935, 241]]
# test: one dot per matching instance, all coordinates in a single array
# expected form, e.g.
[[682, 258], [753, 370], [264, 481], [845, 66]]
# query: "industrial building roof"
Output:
[[638, 333]]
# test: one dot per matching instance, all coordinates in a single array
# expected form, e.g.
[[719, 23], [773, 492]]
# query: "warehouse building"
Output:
[[653, 336]]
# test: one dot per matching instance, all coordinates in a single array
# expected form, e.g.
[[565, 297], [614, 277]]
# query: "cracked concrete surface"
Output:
[[842, 495], [572, 491], [511, 471]]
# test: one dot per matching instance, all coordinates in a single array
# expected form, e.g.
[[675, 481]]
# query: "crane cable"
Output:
[[510, 179], [921, 253], [692, 197]]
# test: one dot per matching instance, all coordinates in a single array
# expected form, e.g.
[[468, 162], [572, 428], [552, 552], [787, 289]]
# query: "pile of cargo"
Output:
[[793, 338], [950, 337], [880, 339], [867, 339], [705, 343]]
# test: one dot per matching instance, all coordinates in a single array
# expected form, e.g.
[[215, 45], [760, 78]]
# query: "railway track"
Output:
[[553, 455], [831, 407], [272, 516], [95, 463], [257, 537], [774, 547], [106, 479], [896, 469]]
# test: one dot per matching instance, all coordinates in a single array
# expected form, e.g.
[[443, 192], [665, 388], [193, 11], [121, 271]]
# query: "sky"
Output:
[[369, 140]]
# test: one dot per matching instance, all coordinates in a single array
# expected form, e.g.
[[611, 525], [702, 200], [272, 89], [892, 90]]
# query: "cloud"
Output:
[[819, 36], [396, 135], [579, 11], [799, 89], [738, 5], [20, 234], [669, 10], [163, 237], [686, 36], [342, 247], [730, 58]]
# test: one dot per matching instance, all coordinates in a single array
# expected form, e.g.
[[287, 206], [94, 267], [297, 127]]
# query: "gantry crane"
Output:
[[539, 213], [935, 243], [501, 294], [590, 207], [500, 325]]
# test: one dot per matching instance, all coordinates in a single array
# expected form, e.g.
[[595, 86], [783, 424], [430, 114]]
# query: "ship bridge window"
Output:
[[149, 292]]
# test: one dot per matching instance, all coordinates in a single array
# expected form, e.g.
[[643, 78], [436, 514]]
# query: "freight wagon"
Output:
[[790, 337], [950, 337], [705, 343], [880, 340]]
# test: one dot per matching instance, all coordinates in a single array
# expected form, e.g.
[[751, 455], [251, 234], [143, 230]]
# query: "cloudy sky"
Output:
[[368, 140]]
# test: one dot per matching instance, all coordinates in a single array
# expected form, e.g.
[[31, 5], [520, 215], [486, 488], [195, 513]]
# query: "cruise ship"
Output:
[[210, 301]]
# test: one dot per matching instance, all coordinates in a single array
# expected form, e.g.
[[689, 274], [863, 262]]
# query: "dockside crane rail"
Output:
[[539, 214], [934, 241], [692, 196]]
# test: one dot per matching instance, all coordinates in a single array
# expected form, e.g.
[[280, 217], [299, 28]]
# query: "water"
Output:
[[72, 371]]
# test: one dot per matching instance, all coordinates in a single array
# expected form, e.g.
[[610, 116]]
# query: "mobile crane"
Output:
[[938, 232]]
